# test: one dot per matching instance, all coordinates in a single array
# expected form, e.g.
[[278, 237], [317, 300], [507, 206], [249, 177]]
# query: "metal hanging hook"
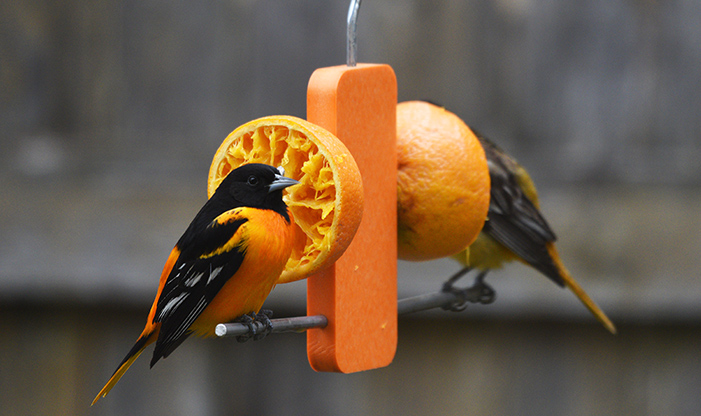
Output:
[[352, 33]]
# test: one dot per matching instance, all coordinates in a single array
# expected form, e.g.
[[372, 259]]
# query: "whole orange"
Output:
[[442, 182]]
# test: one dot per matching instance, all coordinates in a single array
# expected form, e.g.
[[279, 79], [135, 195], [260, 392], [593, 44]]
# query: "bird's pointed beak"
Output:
[[281, 182]]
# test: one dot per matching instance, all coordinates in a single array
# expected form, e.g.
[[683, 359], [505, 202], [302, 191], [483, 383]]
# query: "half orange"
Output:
[[328, 204]]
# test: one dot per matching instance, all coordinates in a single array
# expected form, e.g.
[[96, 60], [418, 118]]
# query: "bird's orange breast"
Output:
[[267, 238]]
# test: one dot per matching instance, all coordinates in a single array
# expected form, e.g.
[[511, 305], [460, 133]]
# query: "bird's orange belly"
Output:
[[266, 255]]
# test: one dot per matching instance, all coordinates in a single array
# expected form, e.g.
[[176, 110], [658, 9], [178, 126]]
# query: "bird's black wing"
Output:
[[513, 219], [208, 259]]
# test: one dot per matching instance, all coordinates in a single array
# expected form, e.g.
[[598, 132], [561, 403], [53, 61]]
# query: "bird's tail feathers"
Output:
[[144, 340], [579, 292]]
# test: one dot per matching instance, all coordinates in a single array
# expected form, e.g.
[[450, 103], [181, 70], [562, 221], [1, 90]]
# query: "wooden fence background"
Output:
[[110, 112]]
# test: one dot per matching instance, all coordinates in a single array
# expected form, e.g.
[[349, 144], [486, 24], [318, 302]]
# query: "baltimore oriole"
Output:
[[224, 265], [516, 230]]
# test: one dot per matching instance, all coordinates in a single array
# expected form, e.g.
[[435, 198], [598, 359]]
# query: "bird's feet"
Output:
[[264, 318], [259, 325], [479, 292], [460, 303], [484, 293]]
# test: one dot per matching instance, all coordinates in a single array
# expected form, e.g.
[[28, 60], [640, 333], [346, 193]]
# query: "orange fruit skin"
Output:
[[327, 219], [442, 182]]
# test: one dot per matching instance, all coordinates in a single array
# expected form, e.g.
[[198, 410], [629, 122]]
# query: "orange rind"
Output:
[[327, 206]]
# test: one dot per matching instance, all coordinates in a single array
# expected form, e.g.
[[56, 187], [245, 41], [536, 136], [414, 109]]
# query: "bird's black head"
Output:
[[255, 185]]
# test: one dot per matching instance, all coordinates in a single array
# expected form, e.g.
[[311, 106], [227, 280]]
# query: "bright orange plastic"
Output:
[[358, 294]]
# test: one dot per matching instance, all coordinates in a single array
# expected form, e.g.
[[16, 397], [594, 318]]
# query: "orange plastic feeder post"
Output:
[[358, 294]]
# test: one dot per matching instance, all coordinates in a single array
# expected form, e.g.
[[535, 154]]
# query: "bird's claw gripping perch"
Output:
[[248, 321], [461, 303], [264, 318], [479, 292], [259, 325], [486, 294]]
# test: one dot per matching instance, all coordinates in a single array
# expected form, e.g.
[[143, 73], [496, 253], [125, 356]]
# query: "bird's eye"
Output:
[[252, 180]]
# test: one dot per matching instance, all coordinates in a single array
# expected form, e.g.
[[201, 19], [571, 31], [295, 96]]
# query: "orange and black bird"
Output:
[[224, 265], [516, 230]]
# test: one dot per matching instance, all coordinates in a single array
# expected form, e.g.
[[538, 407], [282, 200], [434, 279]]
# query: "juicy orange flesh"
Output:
[[312, 203]]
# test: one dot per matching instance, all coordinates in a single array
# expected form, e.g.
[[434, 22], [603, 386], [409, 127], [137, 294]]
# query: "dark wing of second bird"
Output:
[[513, 220]]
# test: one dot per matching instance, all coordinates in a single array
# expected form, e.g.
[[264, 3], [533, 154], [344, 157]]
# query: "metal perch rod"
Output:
[[454, 300], [295, 324], [445, 300]]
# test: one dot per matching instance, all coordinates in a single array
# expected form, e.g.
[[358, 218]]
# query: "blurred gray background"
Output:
[[110, 112]]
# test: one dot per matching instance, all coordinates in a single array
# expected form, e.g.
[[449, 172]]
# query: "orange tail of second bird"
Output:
[[144, 340], [579, 292]]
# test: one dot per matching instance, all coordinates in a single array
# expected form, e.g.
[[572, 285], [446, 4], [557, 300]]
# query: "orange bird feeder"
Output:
[[358, 294]]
